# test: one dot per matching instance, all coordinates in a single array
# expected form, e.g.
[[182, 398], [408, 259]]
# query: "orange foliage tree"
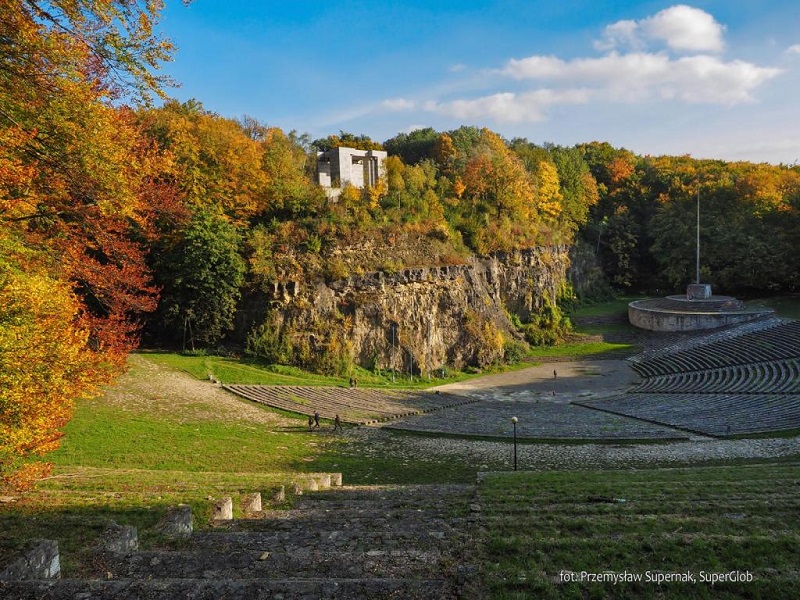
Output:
[[80, 189], [45, 361]]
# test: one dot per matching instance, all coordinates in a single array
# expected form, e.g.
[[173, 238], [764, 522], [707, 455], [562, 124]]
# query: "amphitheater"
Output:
[[740, 380], [709, 394]]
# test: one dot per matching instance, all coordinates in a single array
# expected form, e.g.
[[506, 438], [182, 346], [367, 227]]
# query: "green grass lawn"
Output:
[[581, 349], [243, 371], [785, 306], [543, 527]]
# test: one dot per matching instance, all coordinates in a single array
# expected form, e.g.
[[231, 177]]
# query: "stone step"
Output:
[[390, 497], [299, 563], [239, 589], [409, 492], [356, 538], [341, 516]]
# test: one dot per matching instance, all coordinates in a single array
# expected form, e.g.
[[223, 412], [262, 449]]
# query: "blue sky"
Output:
[[714, 79]]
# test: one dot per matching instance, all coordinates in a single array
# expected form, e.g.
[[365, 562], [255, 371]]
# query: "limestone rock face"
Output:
[[436, 316]]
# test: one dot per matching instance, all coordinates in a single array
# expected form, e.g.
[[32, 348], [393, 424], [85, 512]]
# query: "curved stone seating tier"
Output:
[[540, 420], [774, 377], [709, 414], [778, 342], [353, 405], [707, 338]]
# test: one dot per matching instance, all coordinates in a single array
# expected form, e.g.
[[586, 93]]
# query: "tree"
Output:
[[289, 192], [80, 188], [549, 199], [578, 187], [202, 276], [216, 163], [497, 179], [414, 146], [45, 361], [347, 140]]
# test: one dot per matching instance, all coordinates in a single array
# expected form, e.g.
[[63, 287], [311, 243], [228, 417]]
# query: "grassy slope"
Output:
[[715, 520]]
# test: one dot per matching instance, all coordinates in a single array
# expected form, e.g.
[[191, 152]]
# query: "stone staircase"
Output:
[[349, 542]]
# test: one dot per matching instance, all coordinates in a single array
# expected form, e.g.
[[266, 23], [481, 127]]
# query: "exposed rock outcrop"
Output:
[[429, 317]]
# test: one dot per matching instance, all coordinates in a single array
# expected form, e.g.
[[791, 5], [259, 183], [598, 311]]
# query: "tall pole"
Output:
[[514, 421], [698, 232], [392, 326]]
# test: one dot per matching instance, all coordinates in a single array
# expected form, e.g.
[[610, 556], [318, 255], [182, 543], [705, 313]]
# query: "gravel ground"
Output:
[[572, 380], [490, 455]]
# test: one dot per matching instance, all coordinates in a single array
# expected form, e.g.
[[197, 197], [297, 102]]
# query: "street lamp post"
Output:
[[392, 328], [514, 422]]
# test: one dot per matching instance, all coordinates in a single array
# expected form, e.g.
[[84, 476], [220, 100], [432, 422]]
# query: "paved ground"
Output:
[[497, 455]]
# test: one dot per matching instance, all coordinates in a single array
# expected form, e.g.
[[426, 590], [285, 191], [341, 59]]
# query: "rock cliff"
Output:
[[421, 319]]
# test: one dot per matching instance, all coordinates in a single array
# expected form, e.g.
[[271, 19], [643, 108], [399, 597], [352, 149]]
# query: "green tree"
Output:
[[201, 276], [414, 146], [578, 186]]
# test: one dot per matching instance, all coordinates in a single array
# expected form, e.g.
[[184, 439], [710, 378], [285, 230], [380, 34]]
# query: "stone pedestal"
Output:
[[223, 510], [251, 503], [177, 523], [40, 561], [279, 495], [698, 291]]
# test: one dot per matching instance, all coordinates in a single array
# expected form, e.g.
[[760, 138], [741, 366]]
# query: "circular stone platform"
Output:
[[682, 313]]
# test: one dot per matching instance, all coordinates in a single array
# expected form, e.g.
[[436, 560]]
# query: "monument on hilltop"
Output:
[[698, 309], [341, 165]]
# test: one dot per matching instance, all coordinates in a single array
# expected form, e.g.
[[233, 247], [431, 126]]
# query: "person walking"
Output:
[[337, 423], [316, 419]]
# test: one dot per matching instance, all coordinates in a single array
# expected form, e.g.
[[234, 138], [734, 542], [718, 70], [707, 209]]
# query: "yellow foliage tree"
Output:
[[548, 201], [44, 362]]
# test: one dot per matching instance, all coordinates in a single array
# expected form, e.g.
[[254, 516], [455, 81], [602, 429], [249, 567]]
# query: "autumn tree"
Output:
[[79, 186], [289, 193], [497, 178], [216, 163]]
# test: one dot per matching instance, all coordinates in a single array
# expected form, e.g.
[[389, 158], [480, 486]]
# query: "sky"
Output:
[[712, 79]]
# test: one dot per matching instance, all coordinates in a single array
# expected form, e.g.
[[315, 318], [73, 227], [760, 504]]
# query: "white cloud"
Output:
[[621, 33], [509, 106], [397, 104], [683, 69], [793, 49], [683, 28], [457, 68], [699, 78]]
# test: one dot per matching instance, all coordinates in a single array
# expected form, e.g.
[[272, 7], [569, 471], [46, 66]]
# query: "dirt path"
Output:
[[569, 379], [148, 387]]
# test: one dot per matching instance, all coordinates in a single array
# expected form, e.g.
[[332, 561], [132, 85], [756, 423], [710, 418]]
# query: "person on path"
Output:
[[310, 422], [337, 424], [316, 419]]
